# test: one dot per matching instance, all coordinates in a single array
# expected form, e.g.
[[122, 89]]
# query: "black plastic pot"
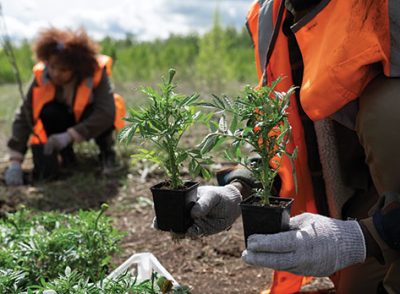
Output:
[[270, 219], [173, 207], [45, 166]]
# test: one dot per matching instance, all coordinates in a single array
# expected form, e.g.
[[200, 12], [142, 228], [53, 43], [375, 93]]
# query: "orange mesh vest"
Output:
[[44, 93], [344, 44]]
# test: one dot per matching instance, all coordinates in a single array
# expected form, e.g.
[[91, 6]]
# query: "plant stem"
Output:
[[104, 207], [175, 181]]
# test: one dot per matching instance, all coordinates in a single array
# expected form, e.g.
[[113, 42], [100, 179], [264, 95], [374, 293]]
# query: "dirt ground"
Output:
[[207, 265]]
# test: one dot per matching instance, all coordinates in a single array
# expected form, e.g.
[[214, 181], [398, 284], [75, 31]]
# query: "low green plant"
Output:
[[258, 119], [11, 281], [40, 246], [162, 123], [73, 282]]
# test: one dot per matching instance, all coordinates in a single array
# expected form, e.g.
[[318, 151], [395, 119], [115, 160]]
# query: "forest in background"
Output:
[[214, 59]]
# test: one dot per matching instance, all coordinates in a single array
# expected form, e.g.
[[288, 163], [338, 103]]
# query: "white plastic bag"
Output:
[[145, 264]]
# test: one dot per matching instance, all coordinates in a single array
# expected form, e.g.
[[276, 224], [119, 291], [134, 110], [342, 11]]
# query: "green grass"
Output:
[[9, 101]]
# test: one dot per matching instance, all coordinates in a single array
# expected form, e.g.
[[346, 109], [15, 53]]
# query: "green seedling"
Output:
[[258, 119], [162, 123]]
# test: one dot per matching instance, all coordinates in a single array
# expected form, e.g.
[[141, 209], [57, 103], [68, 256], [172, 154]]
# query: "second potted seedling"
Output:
[[258, 119], [162, 123]]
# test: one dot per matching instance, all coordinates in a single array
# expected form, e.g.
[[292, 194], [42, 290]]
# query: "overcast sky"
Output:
[[146, 19]]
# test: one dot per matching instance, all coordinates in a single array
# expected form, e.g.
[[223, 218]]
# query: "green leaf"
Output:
[[219, 103], [238, 151], [208, 143], [181, 157], [189, 100], [234, 124], [67, 271], [205, 173], [222, 125], [192, 166], [213, 126], [207, 104]]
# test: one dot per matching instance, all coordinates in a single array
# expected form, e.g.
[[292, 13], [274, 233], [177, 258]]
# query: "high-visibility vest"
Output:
[[344, 45], [44, 92]]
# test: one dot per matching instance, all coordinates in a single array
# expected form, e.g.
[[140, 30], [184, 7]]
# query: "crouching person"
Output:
[[69, 100]]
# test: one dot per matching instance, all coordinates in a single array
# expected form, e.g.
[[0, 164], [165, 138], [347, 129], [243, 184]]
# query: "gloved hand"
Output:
[[14, 175], [57, 142], [216, 210], [315, 246]]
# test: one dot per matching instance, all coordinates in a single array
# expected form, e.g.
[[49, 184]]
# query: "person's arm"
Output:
[[17, 144], [382, 230], [377, 128], [102, 116], [22, 127]]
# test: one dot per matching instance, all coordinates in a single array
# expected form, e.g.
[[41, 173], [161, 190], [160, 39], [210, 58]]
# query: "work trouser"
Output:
[[57, 118], [378, 129]]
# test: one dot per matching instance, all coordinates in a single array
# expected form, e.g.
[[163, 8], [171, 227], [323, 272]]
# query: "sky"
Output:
[[145, 19]]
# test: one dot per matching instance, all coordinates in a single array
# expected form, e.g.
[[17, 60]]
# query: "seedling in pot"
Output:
[[258, 119], [162, 124]]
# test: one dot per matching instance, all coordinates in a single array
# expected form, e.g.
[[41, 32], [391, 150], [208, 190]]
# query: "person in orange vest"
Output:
[[344, 57], [70, 100]]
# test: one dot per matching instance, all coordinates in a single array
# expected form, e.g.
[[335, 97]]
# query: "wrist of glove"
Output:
[[14, 174], [315, 246], [57, 142], [215, 210]]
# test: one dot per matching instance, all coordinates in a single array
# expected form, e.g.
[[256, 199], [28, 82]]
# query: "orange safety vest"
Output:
[[339, 41], [45, 91]]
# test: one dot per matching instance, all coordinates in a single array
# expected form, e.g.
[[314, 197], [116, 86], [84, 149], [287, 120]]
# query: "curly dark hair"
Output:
[[73, 48]]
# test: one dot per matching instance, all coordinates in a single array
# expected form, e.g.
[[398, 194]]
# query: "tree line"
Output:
[[220, 55]]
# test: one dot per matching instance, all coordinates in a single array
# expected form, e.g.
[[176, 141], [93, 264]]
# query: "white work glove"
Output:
[[215, 210], [14, 175], [57, 142], [315, 246]]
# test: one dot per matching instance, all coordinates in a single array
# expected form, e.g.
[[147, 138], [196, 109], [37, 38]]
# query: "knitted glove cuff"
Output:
[[351, 244]]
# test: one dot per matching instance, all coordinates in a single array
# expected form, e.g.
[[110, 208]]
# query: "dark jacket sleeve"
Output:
[[383, 229], [377, 130], [22, 124], [101, 112]]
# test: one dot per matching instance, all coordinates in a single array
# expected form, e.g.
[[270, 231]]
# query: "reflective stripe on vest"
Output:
[[44, 93]]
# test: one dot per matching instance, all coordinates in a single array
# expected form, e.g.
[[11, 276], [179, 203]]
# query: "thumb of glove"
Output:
[[207, 200]]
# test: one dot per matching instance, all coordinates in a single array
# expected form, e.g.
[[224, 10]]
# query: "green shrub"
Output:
[[40, 246]]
